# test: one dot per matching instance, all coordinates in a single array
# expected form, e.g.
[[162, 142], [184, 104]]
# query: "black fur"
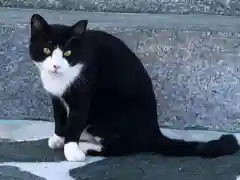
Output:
[[116, 99]]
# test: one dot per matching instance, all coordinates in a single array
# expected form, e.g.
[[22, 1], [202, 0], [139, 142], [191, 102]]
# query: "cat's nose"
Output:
[[56, 67]]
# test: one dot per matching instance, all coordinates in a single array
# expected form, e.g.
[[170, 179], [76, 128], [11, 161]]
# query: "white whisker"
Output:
[[83, 79]]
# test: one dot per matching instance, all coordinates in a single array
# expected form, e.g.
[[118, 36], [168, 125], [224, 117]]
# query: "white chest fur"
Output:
[[58, 84]]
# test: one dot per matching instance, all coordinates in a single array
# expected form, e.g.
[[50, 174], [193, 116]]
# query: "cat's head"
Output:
[[55, 48]]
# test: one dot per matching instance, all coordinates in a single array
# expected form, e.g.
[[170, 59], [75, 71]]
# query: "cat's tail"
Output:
[[225, 145]]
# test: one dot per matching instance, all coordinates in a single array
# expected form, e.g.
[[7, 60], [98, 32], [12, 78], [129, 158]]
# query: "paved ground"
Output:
[[150, 167], [25, 155]]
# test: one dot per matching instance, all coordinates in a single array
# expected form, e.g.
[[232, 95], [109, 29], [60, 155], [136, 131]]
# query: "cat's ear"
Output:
[[38, 23], [80, 27]]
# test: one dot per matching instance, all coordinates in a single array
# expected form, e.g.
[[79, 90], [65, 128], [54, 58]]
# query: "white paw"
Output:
[[85, 146], [72, 152], [56, 142]]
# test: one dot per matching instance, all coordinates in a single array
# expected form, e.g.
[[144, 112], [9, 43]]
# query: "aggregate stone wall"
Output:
[[195, 71], [193, 60], [222, 7]]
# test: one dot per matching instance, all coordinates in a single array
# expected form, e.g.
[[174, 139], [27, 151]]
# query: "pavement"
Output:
[[26, 155]]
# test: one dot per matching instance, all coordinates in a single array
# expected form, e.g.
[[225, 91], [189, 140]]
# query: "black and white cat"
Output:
[[102, 95]]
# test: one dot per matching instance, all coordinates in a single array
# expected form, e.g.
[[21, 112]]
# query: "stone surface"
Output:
[[197, 77], [21, 130], [193, 61], [29, 151], [10, 173], [223, 7], [30, 160], [25, 130], [34, 151], [149, 167], [45, 170]]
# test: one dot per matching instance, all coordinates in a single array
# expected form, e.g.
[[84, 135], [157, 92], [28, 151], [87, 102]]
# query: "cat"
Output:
[[103, 98]]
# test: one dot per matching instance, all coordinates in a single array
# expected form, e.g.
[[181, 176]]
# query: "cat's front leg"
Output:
[[79, 105], [75, 126], [60, 116]]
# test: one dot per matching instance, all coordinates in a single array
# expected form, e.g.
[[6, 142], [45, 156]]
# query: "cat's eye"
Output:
[[67, 53], [46, 50]]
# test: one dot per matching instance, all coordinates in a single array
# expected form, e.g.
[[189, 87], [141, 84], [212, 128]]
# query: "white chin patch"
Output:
[[56, 142], [73, 152], [57, 84]]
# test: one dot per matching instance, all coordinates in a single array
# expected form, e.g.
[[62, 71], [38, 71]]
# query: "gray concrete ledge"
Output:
[[26, 130], [16, 16], [223, 7], [25, 162]]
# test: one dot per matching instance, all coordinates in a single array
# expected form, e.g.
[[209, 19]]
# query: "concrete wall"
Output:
[[226, 7], [193, 61]]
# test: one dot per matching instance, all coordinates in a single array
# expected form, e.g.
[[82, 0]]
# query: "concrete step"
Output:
[[25, 154], [27, 130], [223, 7], [193, 61]]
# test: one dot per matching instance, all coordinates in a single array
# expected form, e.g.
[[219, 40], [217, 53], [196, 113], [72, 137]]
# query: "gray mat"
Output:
[[29, 151], [14, 173], [155, 167]]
